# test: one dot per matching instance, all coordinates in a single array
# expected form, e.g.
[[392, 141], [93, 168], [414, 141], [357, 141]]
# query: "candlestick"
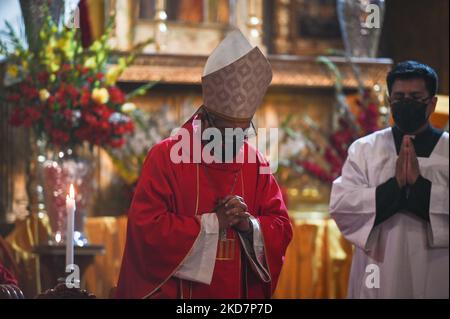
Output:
[[70, 207]]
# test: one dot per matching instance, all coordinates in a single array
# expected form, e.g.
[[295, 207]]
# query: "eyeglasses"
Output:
[[413, 98], [249, 132]]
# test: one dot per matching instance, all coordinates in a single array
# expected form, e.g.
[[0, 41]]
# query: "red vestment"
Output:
[[164, 223], [6, 278]]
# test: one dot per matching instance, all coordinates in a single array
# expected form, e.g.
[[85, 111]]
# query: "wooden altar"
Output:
[[290, 71]]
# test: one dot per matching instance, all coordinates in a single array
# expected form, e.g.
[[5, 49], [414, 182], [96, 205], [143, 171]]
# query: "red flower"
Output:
[[82, 133], [316, 170], [51, 100], [368, 119], [85, 97], [372, 108], [71, 91], [29, 92], [60, 93], [42, 77], [16, 117], [103, 111], [31, 115], [116, 95], [123, 128], [59, 137], [54, 116], [103, 125], [116, 143], [129, 126], [119, 129], [66, 67], [89, 118], [67, 113], [13, 98]]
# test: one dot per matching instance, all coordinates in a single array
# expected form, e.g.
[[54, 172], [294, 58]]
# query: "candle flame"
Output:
[[72, 192]]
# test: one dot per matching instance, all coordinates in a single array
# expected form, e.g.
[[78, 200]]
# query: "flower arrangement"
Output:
[[323, 154], [66, 93]]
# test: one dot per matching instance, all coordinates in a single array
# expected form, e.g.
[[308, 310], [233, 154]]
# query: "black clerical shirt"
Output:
[[390, 198]]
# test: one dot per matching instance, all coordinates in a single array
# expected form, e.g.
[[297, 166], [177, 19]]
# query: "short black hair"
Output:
[[413, 69]]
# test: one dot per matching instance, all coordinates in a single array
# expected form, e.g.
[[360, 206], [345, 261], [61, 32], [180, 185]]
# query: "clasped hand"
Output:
[[233, 212], [407, 167]]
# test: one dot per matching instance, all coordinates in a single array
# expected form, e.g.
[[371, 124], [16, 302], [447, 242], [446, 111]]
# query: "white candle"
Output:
[[70, 207]]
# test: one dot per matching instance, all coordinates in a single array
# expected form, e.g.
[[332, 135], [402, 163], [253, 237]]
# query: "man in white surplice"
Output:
[[391, 201]]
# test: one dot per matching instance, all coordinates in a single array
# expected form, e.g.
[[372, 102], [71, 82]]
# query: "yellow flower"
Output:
[[64, 45], [54, 67], [128, 107], [112, 75], [43, 95], [61, 43], [96, 46], [25, 65], [49, 50], [90, 63], [100, 96], [12, 70]]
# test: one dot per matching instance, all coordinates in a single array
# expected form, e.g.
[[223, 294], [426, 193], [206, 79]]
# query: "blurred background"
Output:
[[142, 61]]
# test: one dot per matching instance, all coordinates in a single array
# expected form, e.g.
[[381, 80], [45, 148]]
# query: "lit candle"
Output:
[[70, 207]]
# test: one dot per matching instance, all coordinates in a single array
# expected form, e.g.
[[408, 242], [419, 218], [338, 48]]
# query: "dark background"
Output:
[[418, 30]]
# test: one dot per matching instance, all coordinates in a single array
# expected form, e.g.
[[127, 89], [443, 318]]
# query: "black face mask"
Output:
[[409, 115], [230, 146]]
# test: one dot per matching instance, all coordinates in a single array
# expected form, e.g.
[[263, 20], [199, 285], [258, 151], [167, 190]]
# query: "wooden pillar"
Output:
[[13, 166]]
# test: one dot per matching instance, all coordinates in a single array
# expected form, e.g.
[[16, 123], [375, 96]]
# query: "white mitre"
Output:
[[235, 78]]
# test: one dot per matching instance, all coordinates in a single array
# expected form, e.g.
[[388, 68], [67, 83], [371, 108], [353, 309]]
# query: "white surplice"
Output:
[[404, 256], [199, 264]]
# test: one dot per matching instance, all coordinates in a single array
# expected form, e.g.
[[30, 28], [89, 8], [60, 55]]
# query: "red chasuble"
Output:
[[164, 224], [6, 278]]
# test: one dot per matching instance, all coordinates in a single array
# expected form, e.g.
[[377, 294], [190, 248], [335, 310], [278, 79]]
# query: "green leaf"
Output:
[[332, 67], [141, 90]]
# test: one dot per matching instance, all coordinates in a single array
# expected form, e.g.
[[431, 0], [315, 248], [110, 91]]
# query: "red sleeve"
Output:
[[6, 278], [275, 224], [158, 238]]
